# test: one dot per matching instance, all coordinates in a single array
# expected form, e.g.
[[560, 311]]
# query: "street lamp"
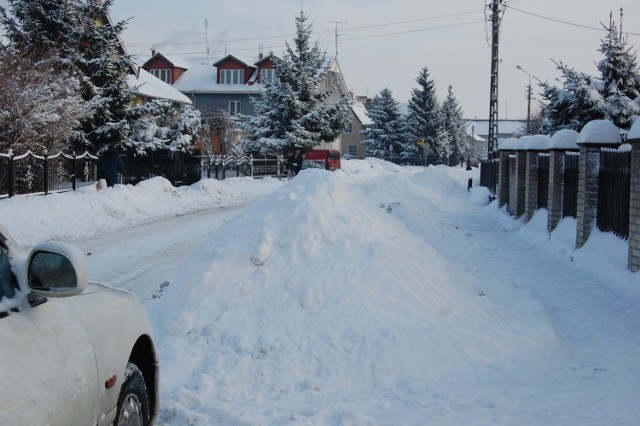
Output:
[[528, 99]]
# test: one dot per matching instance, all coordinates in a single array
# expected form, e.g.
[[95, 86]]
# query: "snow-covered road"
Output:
[[145, 258]]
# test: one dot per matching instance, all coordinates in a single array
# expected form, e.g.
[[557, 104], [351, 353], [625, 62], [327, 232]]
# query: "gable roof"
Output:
[[176, 61], [360, 111], [148, 85], [244, 61]]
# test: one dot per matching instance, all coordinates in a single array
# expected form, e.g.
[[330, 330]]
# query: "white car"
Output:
[[71, 352]]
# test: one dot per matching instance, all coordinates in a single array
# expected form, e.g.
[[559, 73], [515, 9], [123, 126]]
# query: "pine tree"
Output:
[[454, 125], [39, 25], [621, 78], [105, 67], [615, 95], [293, 111], [424, 117], [156, 128], [388, 135]]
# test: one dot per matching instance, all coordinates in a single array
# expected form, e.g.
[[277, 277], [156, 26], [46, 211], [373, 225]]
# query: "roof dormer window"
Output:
[[162, 74], [232, 76]]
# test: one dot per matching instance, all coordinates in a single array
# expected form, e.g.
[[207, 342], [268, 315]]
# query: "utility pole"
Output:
[[492, 143], [528, 99]]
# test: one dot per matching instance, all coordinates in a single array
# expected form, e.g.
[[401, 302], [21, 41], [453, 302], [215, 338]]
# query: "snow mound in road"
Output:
[[315, 297]]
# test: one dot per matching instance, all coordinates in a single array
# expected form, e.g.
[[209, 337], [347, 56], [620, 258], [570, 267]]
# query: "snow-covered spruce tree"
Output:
[[40, 25], [105, 67], [157, 128], [293, 111], [454, 125], [186, 130], [424, 119], [615, 95], [575, 104], [39, 109], [621, 78], [387, 135]]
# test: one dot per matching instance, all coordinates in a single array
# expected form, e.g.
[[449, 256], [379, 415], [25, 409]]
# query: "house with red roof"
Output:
[[229, 82]]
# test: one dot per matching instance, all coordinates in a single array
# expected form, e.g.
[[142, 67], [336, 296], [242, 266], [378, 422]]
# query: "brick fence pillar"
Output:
[[634, 204], [561, 142], [595, 135]]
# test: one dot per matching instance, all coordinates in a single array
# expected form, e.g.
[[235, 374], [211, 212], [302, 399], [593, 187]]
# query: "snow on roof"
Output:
[[147, 85], [201, 77], [177, 61], [564, 139], [600, 132], [361, 112], [250, 62]]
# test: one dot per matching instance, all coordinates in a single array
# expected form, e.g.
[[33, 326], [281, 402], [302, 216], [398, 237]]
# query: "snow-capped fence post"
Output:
[[534, 146], [593, 136], [562, 142], [506, 147], [634, 202]]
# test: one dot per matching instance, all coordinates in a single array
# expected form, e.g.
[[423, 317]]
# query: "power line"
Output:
[[344, 39], [261, 38], [563, 22]]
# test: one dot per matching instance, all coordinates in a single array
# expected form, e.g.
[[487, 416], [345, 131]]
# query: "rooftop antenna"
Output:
[[336, 34]]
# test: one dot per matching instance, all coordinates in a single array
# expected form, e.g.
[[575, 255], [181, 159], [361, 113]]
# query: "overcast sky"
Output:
[[385, 43]]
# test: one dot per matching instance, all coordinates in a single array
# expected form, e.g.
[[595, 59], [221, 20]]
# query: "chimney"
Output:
[[153, 52], [260, 54]]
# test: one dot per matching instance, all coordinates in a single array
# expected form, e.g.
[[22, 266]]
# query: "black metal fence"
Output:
[[41, 174], [543, 180], [177, 167], [570, 187], [614, 192]]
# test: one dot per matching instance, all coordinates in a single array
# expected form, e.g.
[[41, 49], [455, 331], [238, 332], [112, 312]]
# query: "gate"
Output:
[[614, 183]]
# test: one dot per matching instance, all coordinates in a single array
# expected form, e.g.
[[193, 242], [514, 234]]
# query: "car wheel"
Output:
[[133, 406]]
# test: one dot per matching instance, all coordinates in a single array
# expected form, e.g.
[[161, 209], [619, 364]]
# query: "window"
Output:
[[231, 76], [267, 75], [234, 107], [348, 128], [353, 149], [164, 75]]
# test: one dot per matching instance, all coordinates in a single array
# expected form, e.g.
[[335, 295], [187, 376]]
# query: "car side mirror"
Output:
[[56, 270]]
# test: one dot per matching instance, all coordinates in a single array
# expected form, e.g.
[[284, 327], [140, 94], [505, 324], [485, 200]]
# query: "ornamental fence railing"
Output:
[[30, 173]]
